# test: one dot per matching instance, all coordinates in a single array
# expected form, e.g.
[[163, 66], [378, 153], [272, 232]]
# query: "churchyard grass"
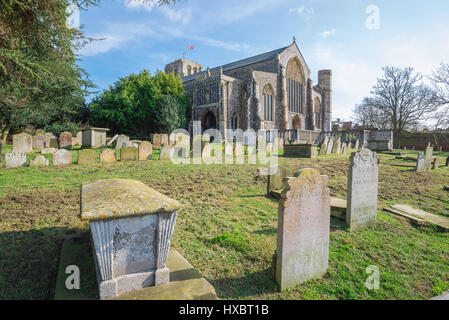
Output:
[[227, 229]]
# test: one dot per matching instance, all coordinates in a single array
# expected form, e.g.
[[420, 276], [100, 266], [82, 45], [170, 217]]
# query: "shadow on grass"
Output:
[[250, 285], [29, 262]]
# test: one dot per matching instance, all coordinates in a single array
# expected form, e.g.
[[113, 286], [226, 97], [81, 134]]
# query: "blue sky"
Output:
[[331, 34]]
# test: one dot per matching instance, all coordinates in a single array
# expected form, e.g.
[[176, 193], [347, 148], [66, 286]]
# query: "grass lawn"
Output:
[[227, 229]]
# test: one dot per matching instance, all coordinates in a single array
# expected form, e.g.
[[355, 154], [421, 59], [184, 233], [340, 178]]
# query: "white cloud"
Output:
[[304, 12], [137, 4], [182, 15], [328, 33]]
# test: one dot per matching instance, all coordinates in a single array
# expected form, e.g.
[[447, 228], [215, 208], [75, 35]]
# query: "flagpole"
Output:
[[184, 56]]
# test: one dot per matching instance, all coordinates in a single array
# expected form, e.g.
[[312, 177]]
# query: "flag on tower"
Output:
[[190, 47]]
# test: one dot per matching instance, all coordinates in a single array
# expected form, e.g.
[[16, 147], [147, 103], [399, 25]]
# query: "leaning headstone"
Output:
[[206, 154], [145, 151], [107, 156], [323, 146], [87, 156], [167, 153], [344, 148], [357, 144], [330, 146], [420, 162], [436, 163], [172, 139], [65, 140], [428, 157], [276, 180], [38, 141], [39, 161], [114, 138], [131, 227], [128, 154], [122, 142], [22, 143], [302, 251], [62, 157], [156, 141], [336, 148], [15, 159], [362, 189]]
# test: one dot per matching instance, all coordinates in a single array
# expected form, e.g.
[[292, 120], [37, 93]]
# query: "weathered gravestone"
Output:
[[428, 157], [164, 139], [357, 144], [302, 251], [156, 141], [344, 148], [323, 146], [87, 156], [129, 154], [107, 156], [229, 149], [362, 189], [39, 161], [172, 139], [276, 181], [420, 162], [145, 151], [47, 137], [15, 159], [330, 145], [65, 140], [22, 143], [79, 138], [336, 148], [112, 140], [131, 227], [122, 142], [206, 155], [54, 143], [48, 150], [167, 153], [38, 141], [436, 163], [62, 157]]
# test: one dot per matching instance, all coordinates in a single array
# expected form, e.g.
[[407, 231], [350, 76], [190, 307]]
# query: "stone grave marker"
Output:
[[172, 139], [87, 156], [344, 148], [39, 132], [302, 251], [323, 146], [145, 151], [428, 157], [156, 141], [362, 190], [357, 144], [47, 137], [336, 148], [62, 157], [54, 143], [15, 159], [22, 143], [48, 150], [436, 163], [113, 139], [131, 227], [65, 140], [39, 161], [164, 139], [167, 153], [128, 154], [107, 156], [420, 162], [79, 138], [330, 146], [122, 142], [38, 141]]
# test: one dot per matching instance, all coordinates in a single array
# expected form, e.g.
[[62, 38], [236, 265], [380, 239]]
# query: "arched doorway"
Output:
[[209, 121]]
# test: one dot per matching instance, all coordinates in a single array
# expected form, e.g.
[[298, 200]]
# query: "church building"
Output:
[[269, 91]]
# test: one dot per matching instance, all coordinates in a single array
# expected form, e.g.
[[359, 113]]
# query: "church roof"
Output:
[[240, 63]]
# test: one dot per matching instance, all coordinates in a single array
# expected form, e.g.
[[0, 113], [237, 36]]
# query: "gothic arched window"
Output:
[[268, 107]]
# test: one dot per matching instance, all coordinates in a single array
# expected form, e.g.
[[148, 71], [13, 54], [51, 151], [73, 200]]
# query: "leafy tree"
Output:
[[140, 104], [399, 97], [40, 81]]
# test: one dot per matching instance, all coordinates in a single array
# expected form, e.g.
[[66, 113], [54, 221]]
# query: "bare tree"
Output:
[[440, 80], [399, 100]]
